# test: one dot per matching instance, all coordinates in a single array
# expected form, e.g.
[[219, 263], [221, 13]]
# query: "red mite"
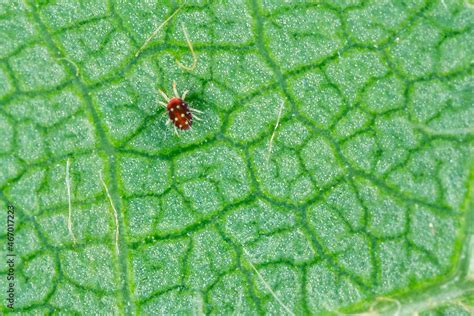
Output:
[[179, 112]]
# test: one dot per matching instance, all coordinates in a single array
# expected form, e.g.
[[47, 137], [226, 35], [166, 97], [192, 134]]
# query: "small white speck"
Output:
[[175, 118], [182, 114]]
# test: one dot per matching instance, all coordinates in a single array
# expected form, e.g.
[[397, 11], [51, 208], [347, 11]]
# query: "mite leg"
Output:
[[195, 110], [164, 104], [184, 94], [164, 95], [176, 130], [175, 90]]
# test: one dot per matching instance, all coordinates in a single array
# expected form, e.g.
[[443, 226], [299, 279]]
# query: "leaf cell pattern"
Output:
[[367, 192]]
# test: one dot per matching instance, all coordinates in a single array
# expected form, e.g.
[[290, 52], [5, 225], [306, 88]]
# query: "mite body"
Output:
[[179, 112]]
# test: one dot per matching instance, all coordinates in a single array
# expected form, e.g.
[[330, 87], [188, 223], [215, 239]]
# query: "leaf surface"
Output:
[[363, 203]]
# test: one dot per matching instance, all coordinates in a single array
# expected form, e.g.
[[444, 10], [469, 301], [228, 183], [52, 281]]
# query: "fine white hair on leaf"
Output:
[[385, 299], [157, 30], [193, 54], [444, 4], [68, 188], [270, 145], [267, 286], [114, 210], [445, 132], [72, 63], [199, 304], [239, 305]]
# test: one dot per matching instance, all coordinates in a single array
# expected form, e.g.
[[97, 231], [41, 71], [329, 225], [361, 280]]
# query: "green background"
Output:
[[365, 203]]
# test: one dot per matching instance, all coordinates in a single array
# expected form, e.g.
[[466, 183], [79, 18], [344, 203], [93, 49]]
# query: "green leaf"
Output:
[[332, 171]]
